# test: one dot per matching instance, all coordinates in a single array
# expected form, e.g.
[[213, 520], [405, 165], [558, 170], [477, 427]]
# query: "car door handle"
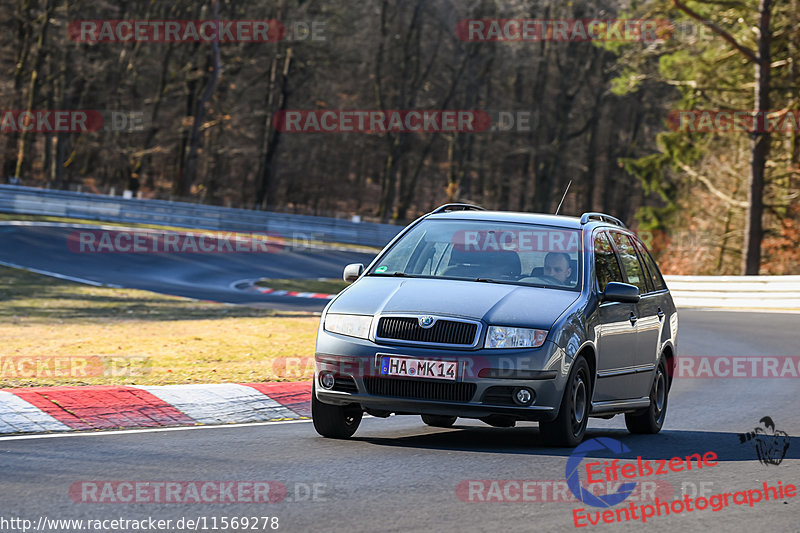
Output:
[[633, 318], [660, 314]]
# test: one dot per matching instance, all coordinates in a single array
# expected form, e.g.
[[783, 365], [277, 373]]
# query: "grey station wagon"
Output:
[[501, 317]]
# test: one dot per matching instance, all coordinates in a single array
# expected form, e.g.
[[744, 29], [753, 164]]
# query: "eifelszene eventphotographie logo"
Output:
[[771, 444], [610, 472], [585, 495]]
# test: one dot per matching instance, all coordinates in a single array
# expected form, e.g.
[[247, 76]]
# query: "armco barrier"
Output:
[[31, 201], [736, 292], [733, 292]]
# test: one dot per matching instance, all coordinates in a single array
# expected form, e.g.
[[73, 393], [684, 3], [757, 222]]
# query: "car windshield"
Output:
[[491, 252]]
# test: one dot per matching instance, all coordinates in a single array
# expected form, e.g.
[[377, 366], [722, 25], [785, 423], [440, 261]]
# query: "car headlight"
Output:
[[505, 337], [350, 325]]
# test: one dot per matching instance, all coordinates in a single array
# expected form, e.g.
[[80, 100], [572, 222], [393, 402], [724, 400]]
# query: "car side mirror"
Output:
[[352, 272], [621, 292]]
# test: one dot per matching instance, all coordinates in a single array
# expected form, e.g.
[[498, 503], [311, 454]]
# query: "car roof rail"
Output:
[[587, 217], [456, 207]]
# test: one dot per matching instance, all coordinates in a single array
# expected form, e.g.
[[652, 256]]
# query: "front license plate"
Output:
[[418, 368]]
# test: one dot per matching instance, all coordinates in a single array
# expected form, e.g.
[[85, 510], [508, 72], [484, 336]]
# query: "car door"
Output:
[[614, 331], [641, 363], [651, 321]]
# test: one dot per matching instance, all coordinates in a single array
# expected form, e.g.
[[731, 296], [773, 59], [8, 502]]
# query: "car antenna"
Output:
[[562, 198]]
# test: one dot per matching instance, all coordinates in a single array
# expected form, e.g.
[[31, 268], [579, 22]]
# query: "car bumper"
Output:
[[406, 406], [485, 384]]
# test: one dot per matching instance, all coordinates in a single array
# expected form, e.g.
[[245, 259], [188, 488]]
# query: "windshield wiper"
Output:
[[486, 280], [395, 274]]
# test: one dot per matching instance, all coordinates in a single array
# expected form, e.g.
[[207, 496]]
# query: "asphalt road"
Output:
[[398, 475], [204, 276]]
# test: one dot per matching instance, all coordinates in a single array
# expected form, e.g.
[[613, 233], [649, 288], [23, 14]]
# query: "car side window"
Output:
[[655, 274], [630, 261], [606, 266]]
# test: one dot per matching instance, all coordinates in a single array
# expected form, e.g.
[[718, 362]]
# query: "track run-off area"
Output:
[[397, 474]]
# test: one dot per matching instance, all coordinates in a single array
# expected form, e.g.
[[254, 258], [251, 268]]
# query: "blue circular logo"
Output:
[[574, 480]]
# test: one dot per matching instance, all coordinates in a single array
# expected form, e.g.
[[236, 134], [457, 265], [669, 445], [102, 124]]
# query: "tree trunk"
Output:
[[190, 171], [147, 175], [33, 88], [272, 136], [12, 137], [753, 230]]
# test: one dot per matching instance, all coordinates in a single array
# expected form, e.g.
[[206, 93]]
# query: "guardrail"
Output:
[[743, 292], [32, 201], [736, 292]]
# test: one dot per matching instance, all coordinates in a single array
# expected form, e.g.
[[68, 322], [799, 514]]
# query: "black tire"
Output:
[[334, 421], [569, 427], [651, 420], [439, 421]]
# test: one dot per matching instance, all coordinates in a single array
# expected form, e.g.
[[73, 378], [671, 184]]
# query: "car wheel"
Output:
[[652, 419], [334, 421], [439, 421], [569, 426]]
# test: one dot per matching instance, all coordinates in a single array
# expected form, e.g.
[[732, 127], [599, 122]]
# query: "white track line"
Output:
[[742, 310], [76, 225], [145, 430], [61, 276]]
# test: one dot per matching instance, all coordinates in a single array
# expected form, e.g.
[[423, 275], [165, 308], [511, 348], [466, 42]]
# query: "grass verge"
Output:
[[321, 285], [183, 341]]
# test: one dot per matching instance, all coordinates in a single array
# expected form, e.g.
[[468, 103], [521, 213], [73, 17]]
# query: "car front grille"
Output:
[[420, 390], [442, 331]]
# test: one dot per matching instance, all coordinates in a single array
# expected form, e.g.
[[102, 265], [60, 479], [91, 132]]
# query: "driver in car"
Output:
[[556, 265]]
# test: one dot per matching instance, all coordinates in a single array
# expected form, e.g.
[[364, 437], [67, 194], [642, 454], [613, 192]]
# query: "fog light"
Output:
[[326, 380], [523, 396]]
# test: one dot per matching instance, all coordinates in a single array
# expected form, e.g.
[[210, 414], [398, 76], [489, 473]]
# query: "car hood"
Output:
[[500, 304]]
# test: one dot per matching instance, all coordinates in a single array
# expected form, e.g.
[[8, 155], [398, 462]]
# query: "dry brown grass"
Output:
[[184, 341]]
